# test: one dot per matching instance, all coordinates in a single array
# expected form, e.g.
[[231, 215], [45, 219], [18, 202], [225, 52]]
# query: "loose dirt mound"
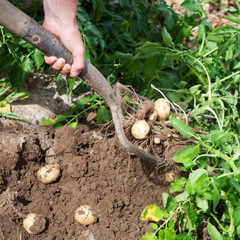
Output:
[[96, 171]]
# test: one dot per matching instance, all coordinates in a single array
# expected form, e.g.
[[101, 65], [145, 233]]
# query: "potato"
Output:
[[156, 140], [153, 116], [171, 176], [162, 107], [48, 173], [85, 215], [34, 223], [140, 129]]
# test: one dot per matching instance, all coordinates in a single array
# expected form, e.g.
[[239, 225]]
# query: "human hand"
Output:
[[61, 21]]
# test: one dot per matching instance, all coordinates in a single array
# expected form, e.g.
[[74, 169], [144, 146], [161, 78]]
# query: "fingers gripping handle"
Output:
[[46, 42]]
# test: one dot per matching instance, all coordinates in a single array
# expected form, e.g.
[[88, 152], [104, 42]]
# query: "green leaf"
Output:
[[229, 52], [214, 233], [182, 196], [216, 197], [236, 215], [170, 234], [220, 137], [169, 202], [154, 226], [185, 130], [196, 181], [202, 203], [135, 67], [149, 67], [11, 115], [171, 224], [233, 19], [149, 236], [73, 124], [149, 47], [167, 38], [16, 95], [201, 31], [27, 65], [190, 5], [119, 55], [37, 58], [64, 117], [177, 185], [186, 155], [70, 84], [152, 213], [185, 236], [103, 115], [48, 121], [192, 218]]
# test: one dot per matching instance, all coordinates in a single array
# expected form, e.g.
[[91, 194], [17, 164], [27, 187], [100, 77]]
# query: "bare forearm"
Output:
[[60, 19], [61, 11]]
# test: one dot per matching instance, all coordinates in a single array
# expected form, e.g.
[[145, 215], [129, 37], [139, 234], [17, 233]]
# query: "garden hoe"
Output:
[[25, 27]]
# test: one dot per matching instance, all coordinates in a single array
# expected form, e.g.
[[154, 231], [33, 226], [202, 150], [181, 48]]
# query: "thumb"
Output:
[[78, 63]]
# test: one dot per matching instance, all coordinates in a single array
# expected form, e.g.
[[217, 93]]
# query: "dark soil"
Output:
[[96, 171]]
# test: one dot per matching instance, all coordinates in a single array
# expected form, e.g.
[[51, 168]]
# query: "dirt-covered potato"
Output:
[[48, 173], [162, 107], [34, 223], [156, 140], [140, 129], [152, 117], [85, 215]]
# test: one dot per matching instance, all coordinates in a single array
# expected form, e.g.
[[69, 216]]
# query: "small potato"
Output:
[[171, 176], [34, 223], [85, 215], [140, 129], [153, 116], [48, 173], [156, 140], [162, 107]]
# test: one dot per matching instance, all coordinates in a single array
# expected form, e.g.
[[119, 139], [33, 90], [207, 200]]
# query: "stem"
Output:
[[205, 155], [85, 110], [219, 224], [208, 78], [206, 54], [152, 86], [226, 174], [202, 44], [215, 115], [233, 74], [167, 220]]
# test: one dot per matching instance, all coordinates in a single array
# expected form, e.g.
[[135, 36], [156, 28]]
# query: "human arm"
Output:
[[60, 19]]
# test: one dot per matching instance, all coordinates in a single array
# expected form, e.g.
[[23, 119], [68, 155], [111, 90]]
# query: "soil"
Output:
[[95, 171]]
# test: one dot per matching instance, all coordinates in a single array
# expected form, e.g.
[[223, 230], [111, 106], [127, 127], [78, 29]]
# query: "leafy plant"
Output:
[[18, 58], [81, 108], [210, 193]]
